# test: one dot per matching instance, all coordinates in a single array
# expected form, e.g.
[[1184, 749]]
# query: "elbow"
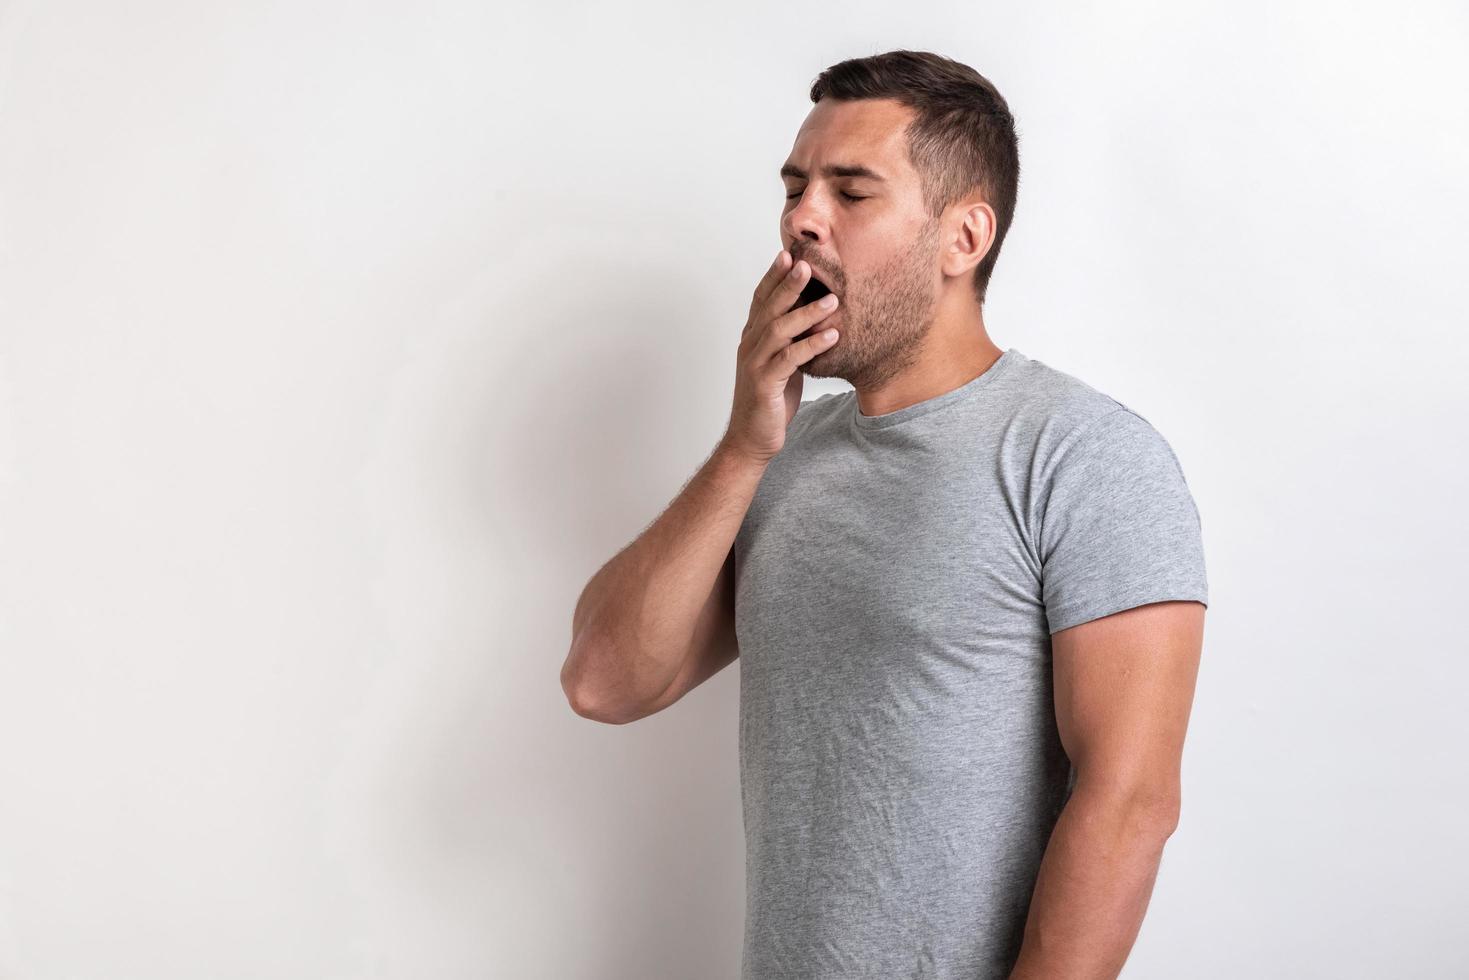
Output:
[[573, 687], [583, 706], [586, 702], [576, 693], [1154, 815], [592, 709], [1148, 810], [1168, 817]]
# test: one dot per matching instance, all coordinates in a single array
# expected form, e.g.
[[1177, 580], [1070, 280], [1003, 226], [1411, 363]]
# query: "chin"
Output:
[[816, 367]]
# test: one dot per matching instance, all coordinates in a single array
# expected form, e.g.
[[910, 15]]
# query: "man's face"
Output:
[[865, 233]]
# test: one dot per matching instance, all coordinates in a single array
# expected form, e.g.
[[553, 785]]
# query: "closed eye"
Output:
[[850, 197]]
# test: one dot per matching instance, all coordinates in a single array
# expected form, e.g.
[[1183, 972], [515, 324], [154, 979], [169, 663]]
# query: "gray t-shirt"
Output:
[[898, 577]]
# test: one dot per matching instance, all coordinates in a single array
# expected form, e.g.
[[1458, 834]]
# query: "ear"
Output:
[[973, 234]]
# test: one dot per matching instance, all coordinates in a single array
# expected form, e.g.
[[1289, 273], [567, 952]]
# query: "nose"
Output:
[[805, 220]]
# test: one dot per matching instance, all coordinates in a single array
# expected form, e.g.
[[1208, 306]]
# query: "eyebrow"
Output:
[[833, 170]]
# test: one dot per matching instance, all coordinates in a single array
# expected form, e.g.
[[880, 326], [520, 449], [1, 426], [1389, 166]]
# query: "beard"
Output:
[[882, 320]]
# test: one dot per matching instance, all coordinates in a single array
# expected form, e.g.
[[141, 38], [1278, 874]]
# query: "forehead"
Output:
[[867, 132]]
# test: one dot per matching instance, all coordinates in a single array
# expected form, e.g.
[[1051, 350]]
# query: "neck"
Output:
[[956, 350]]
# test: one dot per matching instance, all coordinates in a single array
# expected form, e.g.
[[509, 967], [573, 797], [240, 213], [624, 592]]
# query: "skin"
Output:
[[910, 326]]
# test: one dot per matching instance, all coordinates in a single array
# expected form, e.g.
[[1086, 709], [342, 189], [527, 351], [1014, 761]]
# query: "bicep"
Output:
[[1124, 687]]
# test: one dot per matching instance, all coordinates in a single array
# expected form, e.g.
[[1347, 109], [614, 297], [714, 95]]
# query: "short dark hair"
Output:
[[962, 136]]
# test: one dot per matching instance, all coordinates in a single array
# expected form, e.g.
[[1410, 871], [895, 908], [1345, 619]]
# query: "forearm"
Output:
[[636, 617], [1092, 889]]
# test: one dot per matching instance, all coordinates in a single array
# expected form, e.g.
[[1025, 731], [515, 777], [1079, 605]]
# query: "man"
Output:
[[967, 596]]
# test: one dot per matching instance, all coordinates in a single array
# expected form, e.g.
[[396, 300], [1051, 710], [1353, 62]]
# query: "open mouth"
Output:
[[813, 291]]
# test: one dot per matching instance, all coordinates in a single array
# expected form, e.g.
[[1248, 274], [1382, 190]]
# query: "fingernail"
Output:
[[828, 301]]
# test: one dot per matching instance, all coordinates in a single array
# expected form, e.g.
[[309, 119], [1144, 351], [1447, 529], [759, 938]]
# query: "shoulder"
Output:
[[1062, 429], [1119, 446], [1051, 409], [823, 408], [823, 402]]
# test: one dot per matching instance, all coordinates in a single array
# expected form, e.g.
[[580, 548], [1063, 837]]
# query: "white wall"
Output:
[[340, 343]]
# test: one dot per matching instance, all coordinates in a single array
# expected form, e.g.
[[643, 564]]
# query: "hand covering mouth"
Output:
[[814, 290]]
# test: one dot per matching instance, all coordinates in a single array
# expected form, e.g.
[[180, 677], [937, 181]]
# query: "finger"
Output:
[[784, 329], [771, 279], [792, 356], [803, 318], [788, 289]]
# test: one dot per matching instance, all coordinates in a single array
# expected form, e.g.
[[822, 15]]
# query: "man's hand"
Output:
[[767, 382]]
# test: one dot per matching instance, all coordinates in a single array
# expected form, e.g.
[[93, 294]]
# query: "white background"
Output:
[[340, 343]]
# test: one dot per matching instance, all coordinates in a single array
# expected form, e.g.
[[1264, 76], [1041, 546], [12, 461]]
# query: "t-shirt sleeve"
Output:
[[1119, 527]]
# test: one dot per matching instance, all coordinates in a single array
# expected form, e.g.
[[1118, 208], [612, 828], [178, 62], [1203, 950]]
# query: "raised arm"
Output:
[[658, 619]]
